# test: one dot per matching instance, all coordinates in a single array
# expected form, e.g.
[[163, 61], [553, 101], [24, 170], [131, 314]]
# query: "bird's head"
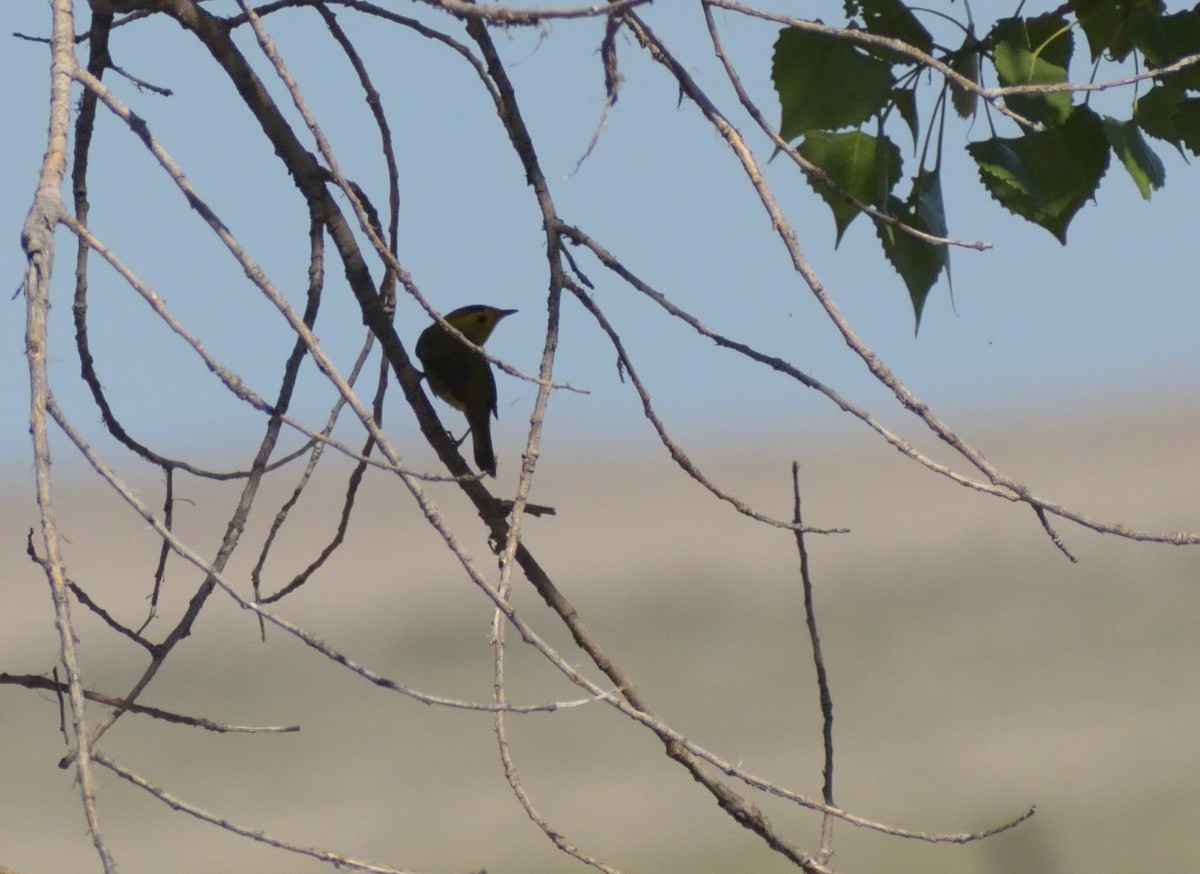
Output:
[[477, 321]]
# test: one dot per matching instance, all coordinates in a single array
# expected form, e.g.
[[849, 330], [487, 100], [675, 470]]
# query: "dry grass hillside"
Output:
[[975, 671]]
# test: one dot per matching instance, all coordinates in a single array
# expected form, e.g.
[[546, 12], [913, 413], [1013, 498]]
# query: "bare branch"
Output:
[[37, 240], [493, 14]]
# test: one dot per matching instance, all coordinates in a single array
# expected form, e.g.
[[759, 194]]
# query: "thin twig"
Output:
[[677, 454], [509, 112], [81, 594], [493, 13], [338, 860], [160, 570], [355, 480], [141, 84], [514, 781], [612, 84], [34, 681], [826, 698]]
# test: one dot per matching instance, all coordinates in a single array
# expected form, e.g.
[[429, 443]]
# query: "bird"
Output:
[[463, 378]]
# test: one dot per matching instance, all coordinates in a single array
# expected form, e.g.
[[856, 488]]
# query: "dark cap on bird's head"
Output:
[[476, 321]]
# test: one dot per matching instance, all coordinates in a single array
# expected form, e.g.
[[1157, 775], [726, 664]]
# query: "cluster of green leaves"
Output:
[[837, 93]]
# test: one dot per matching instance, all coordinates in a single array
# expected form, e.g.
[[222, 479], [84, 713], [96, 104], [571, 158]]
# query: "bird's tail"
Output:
[[481, 439]]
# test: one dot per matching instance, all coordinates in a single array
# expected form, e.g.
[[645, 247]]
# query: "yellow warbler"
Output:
[[461, 377]]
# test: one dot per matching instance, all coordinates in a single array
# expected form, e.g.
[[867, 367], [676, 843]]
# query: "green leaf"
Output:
[[1034, 51], [1155, 113], [966, 63], [1130, 146], [1103, 23], [1164, 39], [919, 263], [826, 84], [1168, 114], [905, 101], [864, 166], [1106, 23], [1046, 177], [892, 18], [1187, 121]]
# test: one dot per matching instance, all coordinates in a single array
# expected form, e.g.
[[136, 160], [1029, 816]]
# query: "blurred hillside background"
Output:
[[975, 671]]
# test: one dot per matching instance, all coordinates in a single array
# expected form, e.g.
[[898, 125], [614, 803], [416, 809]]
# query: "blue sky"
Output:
[[1109, 320]]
